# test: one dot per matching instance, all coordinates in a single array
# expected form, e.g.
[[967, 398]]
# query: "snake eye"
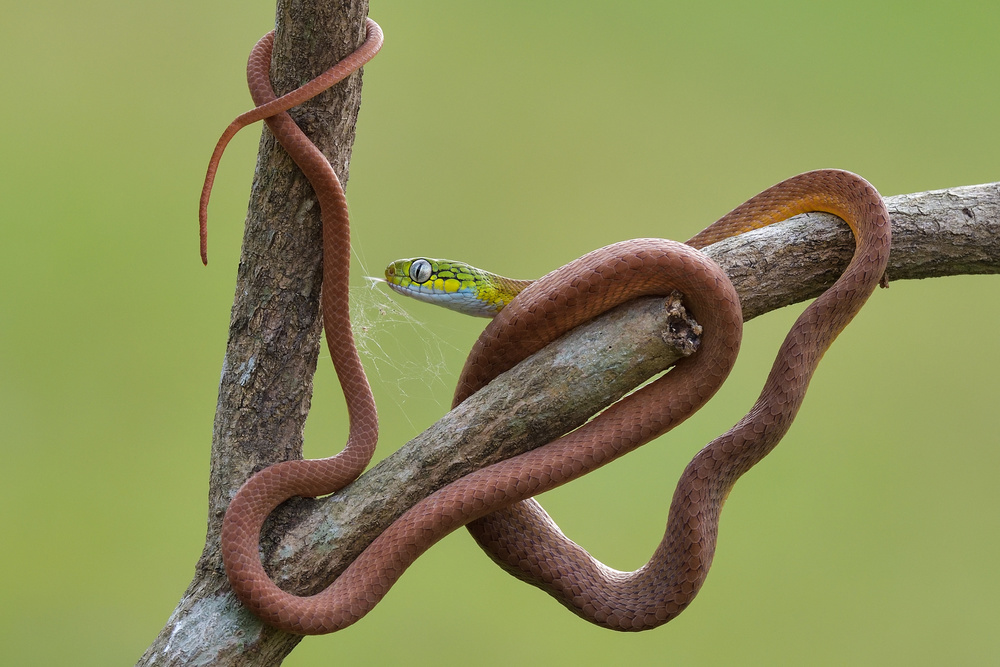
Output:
[[420, 271]]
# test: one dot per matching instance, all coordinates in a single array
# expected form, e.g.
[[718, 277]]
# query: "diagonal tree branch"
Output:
[[266, 382], [947, 232], [306, 543]]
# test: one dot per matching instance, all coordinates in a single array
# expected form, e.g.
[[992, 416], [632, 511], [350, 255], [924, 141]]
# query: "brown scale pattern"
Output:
[[495, 501], [528, 544], [275, 484]]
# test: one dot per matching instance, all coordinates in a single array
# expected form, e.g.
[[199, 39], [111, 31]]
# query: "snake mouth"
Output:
[[395, 287]]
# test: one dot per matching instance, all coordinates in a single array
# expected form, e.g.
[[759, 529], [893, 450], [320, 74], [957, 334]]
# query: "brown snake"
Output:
[[495, 502]]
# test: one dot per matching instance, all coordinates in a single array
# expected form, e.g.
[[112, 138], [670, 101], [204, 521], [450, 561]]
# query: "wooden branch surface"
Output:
[[274, 331], [540, 399], [306, 543]]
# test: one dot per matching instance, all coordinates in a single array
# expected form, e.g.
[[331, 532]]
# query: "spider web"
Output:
[[404, 354]]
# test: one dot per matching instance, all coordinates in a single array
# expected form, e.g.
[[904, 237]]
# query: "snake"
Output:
[[496, 502]]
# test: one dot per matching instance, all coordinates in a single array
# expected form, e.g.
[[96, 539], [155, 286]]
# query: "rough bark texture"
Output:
[[266, 382], [940, 233], [274, 331]]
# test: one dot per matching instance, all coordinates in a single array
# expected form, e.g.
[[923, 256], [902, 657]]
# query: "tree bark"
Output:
[[271, 356], [274, 331]]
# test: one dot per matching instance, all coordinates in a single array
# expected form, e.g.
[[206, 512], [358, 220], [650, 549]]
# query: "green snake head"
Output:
[[454, 285]]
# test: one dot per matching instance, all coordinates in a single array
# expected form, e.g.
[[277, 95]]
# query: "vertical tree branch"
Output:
[[274, 332]]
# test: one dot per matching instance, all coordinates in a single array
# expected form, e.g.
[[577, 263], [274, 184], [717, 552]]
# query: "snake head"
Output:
[[454, 285]]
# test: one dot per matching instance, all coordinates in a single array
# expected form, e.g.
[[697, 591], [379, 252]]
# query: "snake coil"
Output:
[[495, 502]]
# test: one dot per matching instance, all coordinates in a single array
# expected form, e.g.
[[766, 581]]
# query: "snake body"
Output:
[[270, 487], [495, 501]]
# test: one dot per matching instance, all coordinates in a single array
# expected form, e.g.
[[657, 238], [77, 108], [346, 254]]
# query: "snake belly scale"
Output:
[[495, 501]]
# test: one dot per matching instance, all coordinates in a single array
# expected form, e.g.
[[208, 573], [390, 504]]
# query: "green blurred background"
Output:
[[517, 135]]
